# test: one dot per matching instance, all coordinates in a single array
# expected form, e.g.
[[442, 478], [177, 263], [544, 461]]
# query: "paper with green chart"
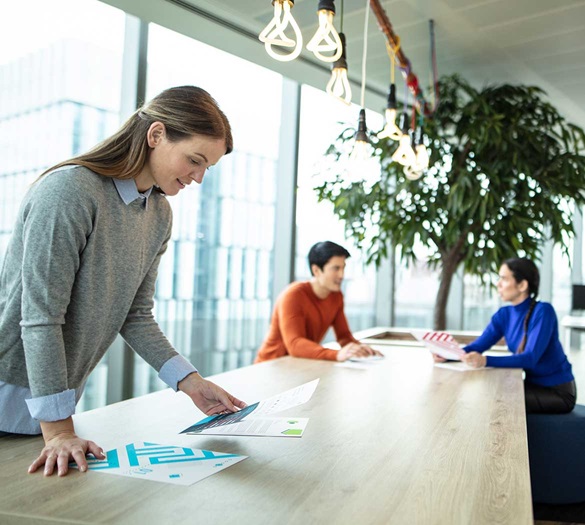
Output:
[[256, 420]]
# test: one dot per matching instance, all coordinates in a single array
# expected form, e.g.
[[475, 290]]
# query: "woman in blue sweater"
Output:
[[531, 331]]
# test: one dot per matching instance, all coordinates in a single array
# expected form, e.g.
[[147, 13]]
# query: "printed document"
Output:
[[252, 420], [165, 463], [440, 343]]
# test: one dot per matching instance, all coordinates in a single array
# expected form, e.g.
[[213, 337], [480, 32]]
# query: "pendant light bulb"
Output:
[[411, 173], [338, 85], [421, 160], [273, 34], [416, 168], [361, 148], [391, 130], [404, 154], [422, 156], [326, 39]]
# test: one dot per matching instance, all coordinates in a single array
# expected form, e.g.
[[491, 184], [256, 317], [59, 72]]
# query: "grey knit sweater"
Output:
[[80, 268]]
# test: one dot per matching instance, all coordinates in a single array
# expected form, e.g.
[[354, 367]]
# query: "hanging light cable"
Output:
[[273, 34], [420, 163], [338, 85], [326, 38], [361, 148]]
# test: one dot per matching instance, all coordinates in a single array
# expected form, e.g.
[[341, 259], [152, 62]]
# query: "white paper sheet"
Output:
[[460, 367], [164, 463], [289, 399], [263, 426], [356, 366], [368, 359]]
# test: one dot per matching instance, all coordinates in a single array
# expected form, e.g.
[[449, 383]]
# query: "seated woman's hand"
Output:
[[60, 449], [438, 358], [474, 360]]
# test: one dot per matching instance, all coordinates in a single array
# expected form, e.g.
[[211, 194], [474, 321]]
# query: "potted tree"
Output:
[[505, 174]]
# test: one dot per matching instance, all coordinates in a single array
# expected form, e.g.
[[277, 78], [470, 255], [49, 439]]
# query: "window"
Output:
[[54, 101], [214, 288], [322, 120], [416, 288], [561, 289]]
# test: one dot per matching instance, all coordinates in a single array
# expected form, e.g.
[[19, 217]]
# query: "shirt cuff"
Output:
[[175, 370], [54, 407]]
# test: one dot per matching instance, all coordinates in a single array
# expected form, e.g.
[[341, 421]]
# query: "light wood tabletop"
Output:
[[402, 442]]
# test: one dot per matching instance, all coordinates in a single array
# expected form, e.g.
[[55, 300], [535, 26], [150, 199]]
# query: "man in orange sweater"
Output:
[[304, 311]]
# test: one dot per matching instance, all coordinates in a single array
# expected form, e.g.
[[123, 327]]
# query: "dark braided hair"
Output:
[[524, 269]]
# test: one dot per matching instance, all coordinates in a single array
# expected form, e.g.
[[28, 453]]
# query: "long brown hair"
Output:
[[184, 110], [524, 269]]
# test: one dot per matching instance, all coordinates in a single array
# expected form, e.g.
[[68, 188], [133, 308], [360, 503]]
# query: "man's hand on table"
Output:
[[208, 397], [356, 350]]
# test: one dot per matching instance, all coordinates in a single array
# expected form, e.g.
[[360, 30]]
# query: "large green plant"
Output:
[[506, 170]]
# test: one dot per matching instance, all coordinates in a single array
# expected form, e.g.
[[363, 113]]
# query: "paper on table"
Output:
[[368, 359], [291, 398], [361, 363], [262, 426], [166, 463], [357, 366], [461, 367], [440, 343]]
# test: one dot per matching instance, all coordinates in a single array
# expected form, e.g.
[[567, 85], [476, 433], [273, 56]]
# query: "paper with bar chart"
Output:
[[253, 420], [440, 343]]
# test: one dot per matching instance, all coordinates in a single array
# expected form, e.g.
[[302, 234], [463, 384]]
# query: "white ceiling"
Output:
[[537, 42]]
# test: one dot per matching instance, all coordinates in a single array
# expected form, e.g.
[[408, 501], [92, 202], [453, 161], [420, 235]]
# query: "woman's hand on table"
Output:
[[438, 358], [208, 397], [474, 360], [62, 445]]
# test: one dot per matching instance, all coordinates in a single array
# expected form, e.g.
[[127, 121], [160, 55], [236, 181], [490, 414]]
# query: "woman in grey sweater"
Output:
[[81, 267]]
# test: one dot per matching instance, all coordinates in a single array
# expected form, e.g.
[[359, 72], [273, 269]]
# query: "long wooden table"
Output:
[[401, 443]]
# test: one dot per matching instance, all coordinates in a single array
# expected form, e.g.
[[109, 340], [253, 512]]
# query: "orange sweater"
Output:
[[299, 322]]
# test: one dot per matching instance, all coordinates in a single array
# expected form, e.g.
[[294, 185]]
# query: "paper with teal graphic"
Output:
[[166, 463]]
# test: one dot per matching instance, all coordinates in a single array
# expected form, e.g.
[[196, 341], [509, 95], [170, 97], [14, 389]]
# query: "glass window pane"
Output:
[[322, 120], [55, 102], [223, 229]]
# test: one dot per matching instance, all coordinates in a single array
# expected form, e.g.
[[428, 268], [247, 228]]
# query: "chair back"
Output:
[[578, 302]]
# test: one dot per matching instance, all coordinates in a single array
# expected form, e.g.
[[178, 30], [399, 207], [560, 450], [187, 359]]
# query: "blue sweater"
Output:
[[543, 358]]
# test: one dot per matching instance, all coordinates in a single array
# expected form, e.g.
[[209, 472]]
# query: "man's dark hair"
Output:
[[321, 253]]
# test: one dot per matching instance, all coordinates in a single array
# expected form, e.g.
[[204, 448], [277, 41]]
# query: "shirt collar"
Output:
[[129, 192]]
